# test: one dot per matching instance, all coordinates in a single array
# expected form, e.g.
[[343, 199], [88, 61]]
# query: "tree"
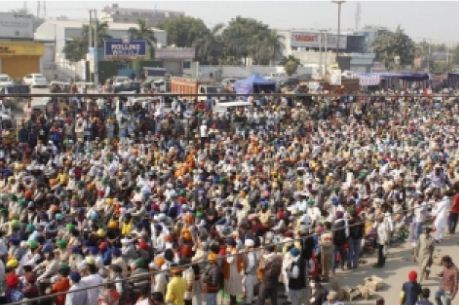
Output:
[[247, 37], [291, 64], [76, 49], [440, 67], [144, 33], [455, 55], [388, 45], [209, 48], [184, 31], [269, 50]]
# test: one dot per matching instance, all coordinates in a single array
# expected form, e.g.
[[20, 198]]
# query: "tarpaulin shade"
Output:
[[254, 84]]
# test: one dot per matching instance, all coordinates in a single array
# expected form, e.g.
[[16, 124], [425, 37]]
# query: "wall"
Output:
[[16, 26], [19, 66]]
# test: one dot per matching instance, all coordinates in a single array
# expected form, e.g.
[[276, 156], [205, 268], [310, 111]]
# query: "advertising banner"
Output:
[[17, 48], [117, 49], [313, 40]]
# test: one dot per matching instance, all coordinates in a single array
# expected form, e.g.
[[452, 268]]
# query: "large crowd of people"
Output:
[[120, 201]]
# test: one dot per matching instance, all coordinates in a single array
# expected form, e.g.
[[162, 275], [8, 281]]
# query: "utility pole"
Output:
[[96, 38], [90, 39], [357, 16], [430, 56], [323, 48], [339, 3], [326, 50]]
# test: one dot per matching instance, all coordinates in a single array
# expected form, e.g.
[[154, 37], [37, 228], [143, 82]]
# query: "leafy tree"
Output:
[[76, 49], [247, 37], [291, 64], [269, 50], [184, 31], [145, 33], [440, 67], [455, 55], [209, 48], [389, 44]]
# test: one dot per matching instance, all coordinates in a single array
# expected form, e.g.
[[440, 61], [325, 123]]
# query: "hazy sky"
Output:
[[435, 20]]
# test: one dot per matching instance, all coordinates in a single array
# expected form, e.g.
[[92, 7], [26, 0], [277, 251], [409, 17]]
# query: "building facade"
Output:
[[152, 17], [19, 53], [319, 48], [63, 31]]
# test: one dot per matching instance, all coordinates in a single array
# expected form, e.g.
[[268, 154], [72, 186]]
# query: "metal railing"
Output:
[[102, 95]]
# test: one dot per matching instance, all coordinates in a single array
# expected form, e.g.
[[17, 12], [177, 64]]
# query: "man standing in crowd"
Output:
[[270, 268], [250, 272], [453, 214], [176, 288], [75, 296], [424, 253], [411, 290], [212, 279], [449, 282], [382, 239], [296, 273]]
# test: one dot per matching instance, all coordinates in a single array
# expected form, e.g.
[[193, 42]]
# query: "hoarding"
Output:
[[16, 26], [313, 40], [117, 49], [16, 48], [175, 53]]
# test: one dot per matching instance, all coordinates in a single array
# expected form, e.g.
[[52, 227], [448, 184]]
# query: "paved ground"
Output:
[[399, 263]]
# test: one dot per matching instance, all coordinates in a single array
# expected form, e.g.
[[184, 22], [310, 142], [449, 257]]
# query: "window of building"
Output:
[[186, 65]]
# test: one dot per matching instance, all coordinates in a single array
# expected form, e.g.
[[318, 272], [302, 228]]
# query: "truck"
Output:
[[184, 85]]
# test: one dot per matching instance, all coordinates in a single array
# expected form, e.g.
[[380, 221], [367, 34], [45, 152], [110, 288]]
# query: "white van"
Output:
[[223, 107]]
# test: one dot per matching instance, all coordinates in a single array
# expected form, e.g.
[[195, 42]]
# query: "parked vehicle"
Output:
[[59, 87], [222, 107], [120, 80], [129, 86], [158, 84], [5, 80], [35, 80], [154, 72], [193, 86], [14, 89]]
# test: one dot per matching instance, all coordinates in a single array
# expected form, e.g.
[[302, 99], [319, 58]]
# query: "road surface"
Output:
[[398, 264]]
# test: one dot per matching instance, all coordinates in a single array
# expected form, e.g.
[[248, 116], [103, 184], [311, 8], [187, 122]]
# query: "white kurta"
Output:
[[233, 285], [441, 212]]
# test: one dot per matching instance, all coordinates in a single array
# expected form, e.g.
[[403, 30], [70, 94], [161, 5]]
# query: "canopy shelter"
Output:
[[254, 84], [453, 80], [395, 79]]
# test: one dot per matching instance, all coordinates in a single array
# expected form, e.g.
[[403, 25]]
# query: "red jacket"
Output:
[[62, 284], [455, 205]]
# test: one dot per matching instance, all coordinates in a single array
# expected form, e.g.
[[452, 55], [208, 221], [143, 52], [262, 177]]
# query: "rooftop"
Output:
[[126, 10], [117, 26]]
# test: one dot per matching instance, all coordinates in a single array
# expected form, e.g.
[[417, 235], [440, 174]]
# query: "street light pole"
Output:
[[339, 3], [96, 46]]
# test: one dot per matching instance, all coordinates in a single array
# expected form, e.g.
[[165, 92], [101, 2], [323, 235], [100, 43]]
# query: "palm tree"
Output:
[[209, 47], [101, 29], [76, 49], [145, 33]]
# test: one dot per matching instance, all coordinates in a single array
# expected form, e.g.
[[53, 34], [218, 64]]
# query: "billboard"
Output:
[[175, 53], [16, 26], [26, 48], [126, 50], [313, 40]]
